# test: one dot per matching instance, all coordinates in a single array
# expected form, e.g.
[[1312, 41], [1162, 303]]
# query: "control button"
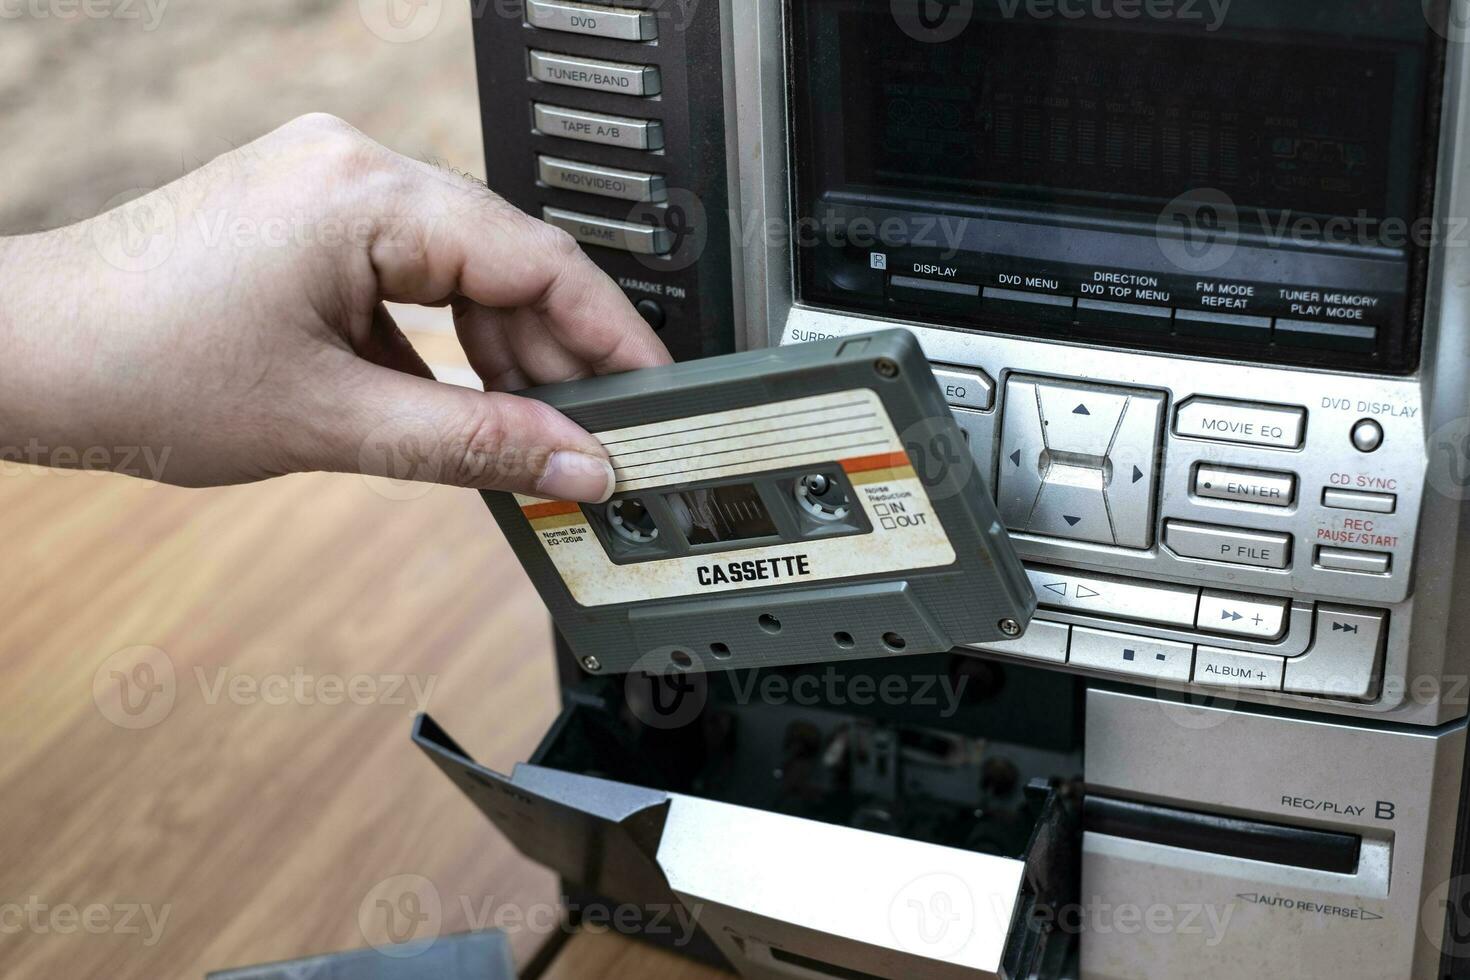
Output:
[[1041, 641], [1367, 435], [625, 236], [1035, 306], [590, 178], [1134, 460], [1347, 560], [1132, 316], [1343, 657], [1231, 668], [965, 387], [1080, 420], [1373, 503], [652, 313], [1124, 654], [1255, 425], [945, 286], [595, 127], [1223, 326], [1327, 336], [604, 76], [1263, 549], [1257, 617], [1245, 486], [1106, 595], [586, 18], [1022, 450], [1072, 505]]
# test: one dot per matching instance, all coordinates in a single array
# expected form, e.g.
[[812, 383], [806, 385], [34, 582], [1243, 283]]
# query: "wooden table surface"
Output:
[[257, 795]]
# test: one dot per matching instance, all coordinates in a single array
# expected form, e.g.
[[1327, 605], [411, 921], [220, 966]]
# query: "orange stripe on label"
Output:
[[882, 461], [552, 508]]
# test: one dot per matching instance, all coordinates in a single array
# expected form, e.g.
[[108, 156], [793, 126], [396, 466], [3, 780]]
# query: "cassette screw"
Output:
[[592, 664], [886, 367], [1010, 627]]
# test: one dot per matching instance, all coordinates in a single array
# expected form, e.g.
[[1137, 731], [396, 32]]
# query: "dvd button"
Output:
[[1042, 641], [1245, 486], [595, 127], [1168, 605], [1223, 326], [602, 76], [1123, 654], [1258, 617], [965, 387], [1277, 426], [1231, 668], [1343, 657], [589, 178], [625, 236], [1235, 546], [598, 21]]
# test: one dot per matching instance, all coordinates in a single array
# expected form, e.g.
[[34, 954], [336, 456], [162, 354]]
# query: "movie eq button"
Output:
[[1120, 598], [598, 21], [1248, 423], [1120, 653], [1258, 617], [625, 236], [1343, 658], [602, 76], [597, 127], [1232, 545], [1042, 641], [965, 387]]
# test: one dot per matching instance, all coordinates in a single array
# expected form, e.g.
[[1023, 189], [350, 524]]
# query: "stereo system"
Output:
[[1191, 281]]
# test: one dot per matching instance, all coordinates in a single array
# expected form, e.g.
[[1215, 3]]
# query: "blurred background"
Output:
[[206, 696]]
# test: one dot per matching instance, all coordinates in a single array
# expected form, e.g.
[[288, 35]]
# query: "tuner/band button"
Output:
[[1278, 426], [625, 236], [603, 76], [1232, 668], [1124, 654], [1257, 617], [590, 178], [1343, 657], [1236, 546], [586, 18], [1245, 486], [1105, 595], [965, 387], [595, 127], [1042, 641]]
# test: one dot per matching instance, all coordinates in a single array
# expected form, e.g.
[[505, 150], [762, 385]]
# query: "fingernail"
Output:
[[576, 476]]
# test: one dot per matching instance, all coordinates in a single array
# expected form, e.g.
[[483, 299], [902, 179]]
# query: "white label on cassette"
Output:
[[849, 429]]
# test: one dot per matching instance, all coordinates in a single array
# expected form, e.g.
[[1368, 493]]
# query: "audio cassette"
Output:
[[808, 503]]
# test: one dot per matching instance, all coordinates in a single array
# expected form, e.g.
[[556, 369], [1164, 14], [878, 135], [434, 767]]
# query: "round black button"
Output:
[[651, 312]]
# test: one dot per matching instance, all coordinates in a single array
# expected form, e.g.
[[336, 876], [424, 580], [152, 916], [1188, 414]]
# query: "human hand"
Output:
[[234, 322]]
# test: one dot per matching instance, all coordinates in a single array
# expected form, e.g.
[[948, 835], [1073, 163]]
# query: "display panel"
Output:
[[1261, 169]]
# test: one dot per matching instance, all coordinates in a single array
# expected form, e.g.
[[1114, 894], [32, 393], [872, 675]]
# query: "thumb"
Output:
[[408, 428]]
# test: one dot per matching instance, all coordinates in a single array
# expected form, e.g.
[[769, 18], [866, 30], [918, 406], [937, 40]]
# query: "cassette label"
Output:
[[882, 520]]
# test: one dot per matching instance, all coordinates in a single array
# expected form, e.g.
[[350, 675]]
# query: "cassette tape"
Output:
[[801, 504]]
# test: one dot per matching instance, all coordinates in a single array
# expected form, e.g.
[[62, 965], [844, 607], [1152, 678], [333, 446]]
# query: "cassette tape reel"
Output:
[[795, 505]]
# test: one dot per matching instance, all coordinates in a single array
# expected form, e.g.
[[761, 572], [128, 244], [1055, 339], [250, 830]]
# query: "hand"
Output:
[[233, 324]]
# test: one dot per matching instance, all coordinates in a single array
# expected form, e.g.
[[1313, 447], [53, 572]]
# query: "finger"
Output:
[[386, 423], [513, 349], [386, 344], [443, 234]]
